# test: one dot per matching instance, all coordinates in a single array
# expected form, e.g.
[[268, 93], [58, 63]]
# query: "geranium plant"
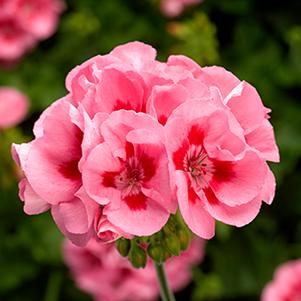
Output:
[[141, 151]]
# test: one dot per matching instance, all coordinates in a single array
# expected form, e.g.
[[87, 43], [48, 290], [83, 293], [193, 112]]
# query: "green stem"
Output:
[[53, 287], [165, 291]]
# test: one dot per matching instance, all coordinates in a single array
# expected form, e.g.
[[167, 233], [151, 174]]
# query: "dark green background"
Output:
[[260, 41]]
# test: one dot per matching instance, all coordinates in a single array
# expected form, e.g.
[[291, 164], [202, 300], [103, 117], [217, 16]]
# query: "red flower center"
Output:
[[136, 171], [198, 166], [130, 179]]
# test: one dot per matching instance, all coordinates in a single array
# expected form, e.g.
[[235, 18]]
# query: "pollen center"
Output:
[[129, 181], [198, 166]]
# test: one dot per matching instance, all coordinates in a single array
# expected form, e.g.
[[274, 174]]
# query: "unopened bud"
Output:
[[166, 255], [156, 252], [173, 244], [137, 257], [184, 237], [123, 246]]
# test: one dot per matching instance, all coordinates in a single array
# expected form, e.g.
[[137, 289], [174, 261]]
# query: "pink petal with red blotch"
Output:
[[219, 77], [52, 165], [153, 159], [137, 215], [99, 165], [136, 54], [214, 129], [152, 156], [176, 133], [263, 139], [193, 209], [117, 90], [247, 107], [232, 215], [164, 99], [115, 129], [238, 182], [33, 204]]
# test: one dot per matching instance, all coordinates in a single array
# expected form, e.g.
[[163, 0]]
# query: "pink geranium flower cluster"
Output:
[[286, 285], [99, 270], [23, 23], [173, 8], [13, 107], [135, 139]]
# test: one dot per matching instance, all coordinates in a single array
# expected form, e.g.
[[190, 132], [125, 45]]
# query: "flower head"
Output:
[[286, 285], [173, 8], [135, 138], [23, 23], [99, 270], [13, 107]]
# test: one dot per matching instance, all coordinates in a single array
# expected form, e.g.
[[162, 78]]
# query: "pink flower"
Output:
[[134, 176], [13, 107], [173, 8], [23, 23], [216, 175], [286, 285], [218, 146], [51, 175], [135, 137], [99, 270], [245, 104]]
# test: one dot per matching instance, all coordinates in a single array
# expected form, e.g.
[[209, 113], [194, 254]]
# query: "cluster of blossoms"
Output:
[[99, 270], [23, 23], [286, 285], [135, 139], [173, 8], [13, 107]]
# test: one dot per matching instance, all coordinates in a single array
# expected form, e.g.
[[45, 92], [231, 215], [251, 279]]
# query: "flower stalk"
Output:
[[165, 291]]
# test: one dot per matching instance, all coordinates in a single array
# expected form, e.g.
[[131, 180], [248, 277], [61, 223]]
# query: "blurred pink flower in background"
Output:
[[99, 270], [23, 23], [13, 107], [286, 285], [173, 8]]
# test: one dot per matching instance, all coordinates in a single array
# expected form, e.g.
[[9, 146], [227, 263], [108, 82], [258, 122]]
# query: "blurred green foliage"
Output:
[[260, 41]]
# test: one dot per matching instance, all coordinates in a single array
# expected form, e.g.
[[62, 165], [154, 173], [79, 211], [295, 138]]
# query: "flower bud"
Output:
[[173, 244], [166, 255], [137, 257], [156, 252], [123, 246], [184, 237]]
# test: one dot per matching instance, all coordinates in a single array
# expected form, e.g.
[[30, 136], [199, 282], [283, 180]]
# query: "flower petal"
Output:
[[193, 211], [263, 139], [238, 182], [138, 215], [237, 215]]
